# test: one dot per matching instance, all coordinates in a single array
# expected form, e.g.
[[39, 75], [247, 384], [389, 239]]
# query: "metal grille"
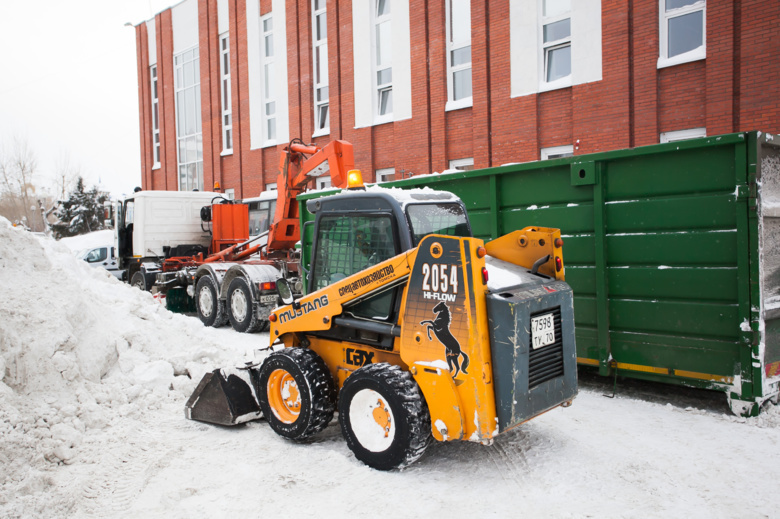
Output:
[[546, 363]]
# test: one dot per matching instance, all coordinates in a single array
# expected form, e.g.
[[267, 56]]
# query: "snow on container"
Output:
[[672, 251]]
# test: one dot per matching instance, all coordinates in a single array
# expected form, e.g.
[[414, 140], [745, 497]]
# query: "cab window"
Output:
[[449, 219], [96, 255], [349, 244]]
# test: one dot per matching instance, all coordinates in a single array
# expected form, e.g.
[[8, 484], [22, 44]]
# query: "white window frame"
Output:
[[155, 116], [457, 42], [546, 48], [384, 175], [323, 182], [379, 89], [230, 194], [557, 152], [268, 84], [682, 135], [320, 83], [225, 98], [664, 16], [270, 186], [194, 139], [462, 164]]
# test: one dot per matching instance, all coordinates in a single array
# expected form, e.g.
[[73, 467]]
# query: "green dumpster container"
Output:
[[672, 250]]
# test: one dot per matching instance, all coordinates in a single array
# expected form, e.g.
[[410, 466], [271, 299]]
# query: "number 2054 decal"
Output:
[[440, 277]]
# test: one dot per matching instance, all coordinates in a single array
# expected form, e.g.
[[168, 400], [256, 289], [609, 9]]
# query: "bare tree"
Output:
[[65, 176], [17, 172]]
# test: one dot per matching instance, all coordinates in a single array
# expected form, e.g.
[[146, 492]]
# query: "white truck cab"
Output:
[[154, 224]]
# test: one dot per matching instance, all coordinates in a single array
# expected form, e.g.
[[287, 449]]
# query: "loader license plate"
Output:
[[542, 330], [268, 299]]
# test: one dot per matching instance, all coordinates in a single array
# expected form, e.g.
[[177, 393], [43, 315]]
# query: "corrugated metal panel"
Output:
[[661, 250]]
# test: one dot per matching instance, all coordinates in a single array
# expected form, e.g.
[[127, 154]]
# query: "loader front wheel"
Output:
[[211, 310], [294, 389], [384, 417]]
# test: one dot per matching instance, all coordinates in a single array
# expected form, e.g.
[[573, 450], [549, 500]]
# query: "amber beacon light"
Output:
[[354, 179]]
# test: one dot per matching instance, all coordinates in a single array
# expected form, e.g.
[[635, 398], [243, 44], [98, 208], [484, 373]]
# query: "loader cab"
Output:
[[355, 230]]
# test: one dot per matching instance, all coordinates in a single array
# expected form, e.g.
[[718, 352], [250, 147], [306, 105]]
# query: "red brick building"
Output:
[[422, 86]]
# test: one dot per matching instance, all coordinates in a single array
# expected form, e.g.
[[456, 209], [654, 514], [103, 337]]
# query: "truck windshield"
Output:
[[425, 219], [260, 215]]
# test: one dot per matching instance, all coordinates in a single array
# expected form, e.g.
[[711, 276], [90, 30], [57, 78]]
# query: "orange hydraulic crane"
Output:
[[296, 171]]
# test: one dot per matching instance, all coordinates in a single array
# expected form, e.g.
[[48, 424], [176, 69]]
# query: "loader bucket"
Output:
[[223, 398]]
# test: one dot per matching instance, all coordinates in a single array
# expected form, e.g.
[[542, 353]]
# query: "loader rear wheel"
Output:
[[211, 310], [294, 389], [384, 417], [241, 308]]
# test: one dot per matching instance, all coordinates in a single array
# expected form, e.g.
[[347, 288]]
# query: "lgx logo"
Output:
[[359, 357]]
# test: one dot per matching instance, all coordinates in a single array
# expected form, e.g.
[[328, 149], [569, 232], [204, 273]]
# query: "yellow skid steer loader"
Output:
[[412, 329]]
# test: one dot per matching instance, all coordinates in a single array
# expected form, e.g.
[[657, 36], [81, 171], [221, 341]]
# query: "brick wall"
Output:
[[734, 89]]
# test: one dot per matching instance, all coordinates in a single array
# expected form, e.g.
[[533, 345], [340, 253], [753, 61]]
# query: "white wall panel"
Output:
[[223, 22], [184, 17], [151, 34]]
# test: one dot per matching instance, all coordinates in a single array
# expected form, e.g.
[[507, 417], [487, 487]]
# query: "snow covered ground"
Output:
[[94, 376]]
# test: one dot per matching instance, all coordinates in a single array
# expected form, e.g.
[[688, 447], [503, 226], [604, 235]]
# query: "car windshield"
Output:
[[446, 218]]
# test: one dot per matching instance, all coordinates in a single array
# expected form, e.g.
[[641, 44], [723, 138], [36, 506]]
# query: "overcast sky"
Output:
[[69, 85]]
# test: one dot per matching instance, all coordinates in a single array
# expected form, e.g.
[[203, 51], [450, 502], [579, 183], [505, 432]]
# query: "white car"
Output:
[[101, 257]]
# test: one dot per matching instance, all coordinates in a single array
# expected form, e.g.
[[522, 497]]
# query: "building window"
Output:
[[188, 127], [270, 186], [385, 175], [320, 55], [269, 95], [227, 113], [458, 54], [155, 118], [556, 42], [682, 31], [681, 135], [230, 194], [383, 60], [323, 182], [462, 164], [557, 152]]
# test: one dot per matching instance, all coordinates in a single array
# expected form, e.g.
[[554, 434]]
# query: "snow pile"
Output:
[[79, 350]]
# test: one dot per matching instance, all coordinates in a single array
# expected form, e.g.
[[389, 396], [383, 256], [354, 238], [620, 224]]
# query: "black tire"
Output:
[[241, 307], [211, 310], [399, 401], [285, 372], [139, 281]]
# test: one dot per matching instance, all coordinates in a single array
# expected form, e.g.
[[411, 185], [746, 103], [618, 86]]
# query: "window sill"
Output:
[[268, 144], [387, 118], [320, 133], [156, 165], [696, 54], [466, 102], [564, 82], [225, 153]]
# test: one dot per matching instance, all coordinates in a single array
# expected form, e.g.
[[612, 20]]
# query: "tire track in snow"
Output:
[[121, 476]]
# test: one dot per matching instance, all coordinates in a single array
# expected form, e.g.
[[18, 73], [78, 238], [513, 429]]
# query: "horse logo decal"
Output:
[[441, 328]]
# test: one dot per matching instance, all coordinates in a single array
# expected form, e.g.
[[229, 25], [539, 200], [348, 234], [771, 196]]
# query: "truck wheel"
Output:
[[294, 389], [384, 417], [139, 281], [241, 308], [211, 309]]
